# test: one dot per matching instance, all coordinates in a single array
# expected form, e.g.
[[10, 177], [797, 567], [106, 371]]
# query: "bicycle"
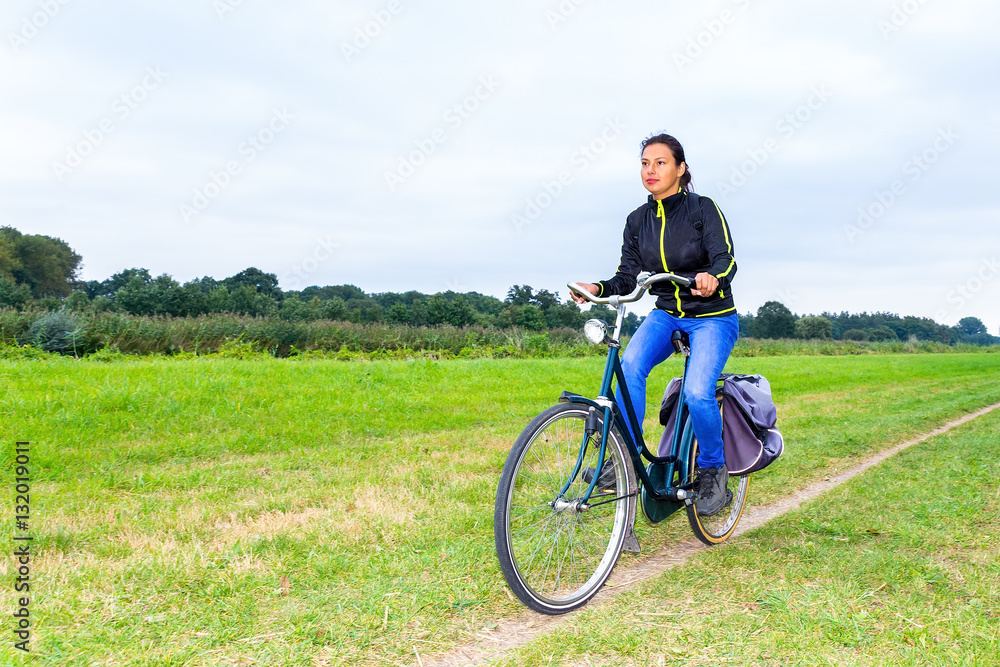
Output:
[[562, 517]]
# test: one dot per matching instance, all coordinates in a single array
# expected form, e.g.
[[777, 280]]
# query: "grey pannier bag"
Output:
[[750, 438]]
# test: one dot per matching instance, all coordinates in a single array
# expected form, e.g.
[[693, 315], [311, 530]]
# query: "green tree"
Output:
[[882, 333], [76, 301], [565, 315], [774, 320], [438, 310], [217, 300], [265, 284], [418, 314], [335, 309], [397, 313], [13, 295], [8, 258], [970, 326], [519, 295], [528, 317], [293, 309], [47, 265], [460, 313], [854, 334], [246, 300], [631, 324], [345, 292], [814, 327], [204, 284], [372, 313], [117, 281], [136, 297]]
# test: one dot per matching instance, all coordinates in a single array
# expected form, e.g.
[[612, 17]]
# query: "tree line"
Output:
[[42, 272], [775, 320]]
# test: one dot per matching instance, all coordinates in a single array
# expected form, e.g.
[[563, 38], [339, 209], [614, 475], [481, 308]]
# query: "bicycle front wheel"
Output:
[[717, 528], [554, 555]]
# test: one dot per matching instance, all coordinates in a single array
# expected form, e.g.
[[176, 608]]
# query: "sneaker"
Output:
[[605, 481], [712, 492]]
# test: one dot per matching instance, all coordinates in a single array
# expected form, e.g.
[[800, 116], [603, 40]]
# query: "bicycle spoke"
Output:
[[539, 482], [541, 544]]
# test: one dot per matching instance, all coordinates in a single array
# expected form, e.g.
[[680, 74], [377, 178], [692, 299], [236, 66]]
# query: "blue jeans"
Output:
[[712, 339]]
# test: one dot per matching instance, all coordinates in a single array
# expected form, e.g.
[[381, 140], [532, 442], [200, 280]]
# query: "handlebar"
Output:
[[643, 282]]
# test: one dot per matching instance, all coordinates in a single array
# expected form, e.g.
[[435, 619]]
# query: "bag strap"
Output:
[[694, 208]]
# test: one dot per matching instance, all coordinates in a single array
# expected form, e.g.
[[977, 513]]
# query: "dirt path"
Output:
[[513, 633]]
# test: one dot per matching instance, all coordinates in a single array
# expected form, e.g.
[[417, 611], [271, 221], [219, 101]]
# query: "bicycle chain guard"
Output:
[[654, 510]]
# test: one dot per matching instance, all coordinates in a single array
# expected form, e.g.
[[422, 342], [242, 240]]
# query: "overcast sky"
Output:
[[425, 145]]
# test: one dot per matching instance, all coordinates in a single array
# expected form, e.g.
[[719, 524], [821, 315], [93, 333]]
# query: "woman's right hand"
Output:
[[590, 287]]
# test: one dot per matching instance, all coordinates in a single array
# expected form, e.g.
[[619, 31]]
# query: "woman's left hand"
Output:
[[705, 285]]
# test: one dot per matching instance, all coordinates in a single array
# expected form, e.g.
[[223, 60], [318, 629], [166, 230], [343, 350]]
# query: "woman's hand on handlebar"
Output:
[[590, 287], [705, 285]]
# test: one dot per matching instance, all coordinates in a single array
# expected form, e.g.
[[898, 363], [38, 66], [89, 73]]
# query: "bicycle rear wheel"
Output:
[[556, 556], [717, 528]]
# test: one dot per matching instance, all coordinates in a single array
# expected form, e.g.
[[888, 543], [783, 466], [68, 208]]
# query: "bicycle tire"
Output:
[[555, 560], [718, 528]]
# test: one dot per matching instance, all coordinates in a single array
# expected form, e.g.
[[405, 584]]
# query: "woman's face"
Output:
[[661, 174]]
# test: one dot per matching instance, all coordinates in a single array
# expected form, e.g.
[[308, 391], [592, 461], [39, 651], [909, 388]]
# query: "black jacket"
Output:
[[661, 236]]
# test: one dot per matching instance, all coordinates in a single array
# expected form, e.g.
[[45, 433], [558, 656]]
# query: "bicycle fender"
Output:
[[570, 397]]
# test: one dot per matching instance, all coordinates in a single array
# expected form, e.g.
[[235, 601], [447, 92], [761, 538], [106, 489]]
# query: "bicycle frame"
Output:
[[676, 461]]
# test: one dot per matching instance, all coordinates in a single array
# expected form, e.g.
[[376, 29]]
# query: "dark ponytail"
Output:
[[676, 150]]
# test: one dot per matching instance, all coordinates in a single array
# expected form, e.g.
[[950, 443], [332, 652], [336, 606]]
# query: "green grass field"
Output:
[[313, 512], [880, 571]]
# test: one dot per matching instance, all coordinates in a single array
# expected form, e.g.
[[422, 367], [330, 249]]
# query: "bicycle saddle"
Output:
[[680, 341]]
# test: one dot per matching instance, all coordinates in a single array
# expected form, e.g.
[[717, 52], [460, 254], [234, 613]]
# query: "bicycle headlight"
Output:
[[595, 331]]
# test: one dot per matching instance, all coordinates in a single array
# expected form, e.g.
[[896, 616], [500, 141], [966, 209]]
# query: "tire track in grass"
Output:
[[516, 632]]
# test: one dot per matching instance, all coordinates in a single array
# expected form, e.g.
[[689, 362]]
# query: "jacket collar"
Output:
[[670, 204]]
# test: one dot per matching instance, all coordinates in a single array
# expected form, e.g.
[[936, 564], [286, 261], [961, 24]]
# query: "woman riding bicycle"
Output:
[[679, 232]]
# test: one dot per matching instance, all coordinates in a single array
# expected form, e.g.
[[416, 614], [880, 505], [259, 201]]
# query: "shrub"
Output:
[[57, 331], [854, 334]]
